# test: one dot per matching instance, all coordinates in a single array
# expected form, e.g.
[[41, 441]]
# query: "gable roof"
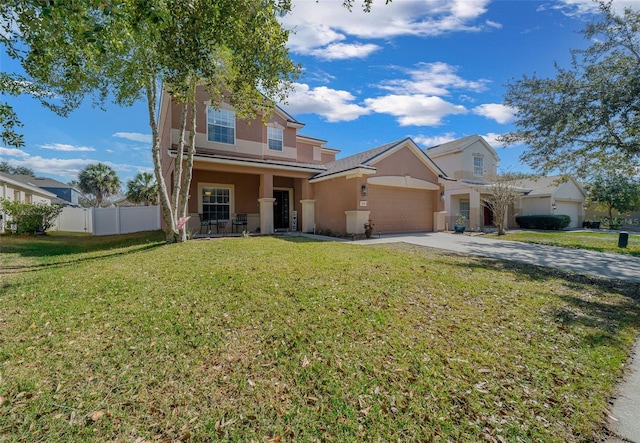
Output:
[[365, 159], [459, 145], [543, 186], [25, 181], [43, 182]]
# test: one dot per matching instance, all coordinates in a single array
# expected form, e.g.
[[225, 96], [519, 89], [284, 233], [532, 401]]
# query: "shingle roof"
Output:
[[41, 182], [452, 146], [313, 167], [361, 159], [539, 186]]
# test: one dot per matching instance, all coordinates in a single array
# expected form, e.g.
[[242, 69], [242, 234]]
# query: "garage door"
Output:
[[401, 209], [572, 209]]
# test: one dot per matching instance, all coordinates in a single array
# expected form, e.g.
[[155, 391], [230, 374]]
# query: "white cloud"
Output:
[[491, 138], [320, 23], [429, 142], [582, 7], [67, 148], [342, 51], [415, 110], [13, 152], [432, 79], [67, 168], [334, 105], [134, 136], [494, 24], [500, 113]]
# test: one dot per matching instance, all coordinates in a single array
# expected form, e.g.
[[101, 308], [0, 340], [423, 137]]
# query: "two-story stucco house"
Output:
[[282, 179], [472, 163]]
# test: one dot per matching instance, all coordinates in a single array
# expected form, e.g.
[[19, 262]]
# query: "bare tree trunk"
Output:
[[163, 194], [177, 176], [188, 171]]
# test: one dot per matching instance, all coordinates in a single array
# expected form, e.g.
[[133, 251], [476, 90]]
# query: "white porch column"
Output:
[[356, 220], [475, 211], [266, 215], [308, 215]]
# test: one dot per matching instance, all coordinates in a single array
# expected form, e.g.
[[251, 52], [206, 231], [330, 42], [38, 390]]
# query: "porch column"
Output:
[[266, 203], [308, 215], [475, 211]]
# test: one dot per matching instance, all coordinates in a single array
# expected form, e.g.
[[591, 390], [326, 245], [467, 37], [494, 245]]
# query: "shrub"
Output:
[[31, 218], [549, 222]]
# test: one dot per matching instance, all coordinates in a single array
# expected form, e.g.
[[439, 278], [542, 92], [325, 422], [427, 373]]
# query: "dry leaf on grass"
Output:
[[95, 416]]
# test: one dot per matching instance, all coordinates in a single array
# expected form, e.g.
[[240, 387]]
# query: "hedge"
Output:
[[549, 222]]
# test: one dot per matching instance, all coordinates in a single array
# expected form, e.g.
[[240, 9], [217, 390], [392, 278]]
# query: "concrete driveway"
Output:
[[618, 266]]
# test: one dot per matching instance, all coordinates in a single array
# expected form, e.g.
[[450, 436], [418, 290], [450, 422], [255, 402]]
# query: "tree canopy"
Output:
[[143, 189], [235, 49], [15, 170], [99, 180], [587, 118], [615, 191]]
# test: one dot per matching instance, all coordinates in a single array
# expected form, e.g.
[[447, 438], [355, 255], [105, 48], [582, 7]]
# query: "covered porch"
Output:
[[231, 197]]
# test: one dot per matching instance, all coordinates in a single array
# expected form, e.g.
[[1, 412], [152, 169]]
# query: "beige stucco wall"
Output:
[[250, 135], [333, 198], [459, 164], [404, 162]]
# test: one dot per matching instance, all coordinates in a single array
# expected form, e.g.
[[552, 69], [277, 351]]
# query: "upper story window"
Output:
[[221, 126], [478, 166], [274, 138]]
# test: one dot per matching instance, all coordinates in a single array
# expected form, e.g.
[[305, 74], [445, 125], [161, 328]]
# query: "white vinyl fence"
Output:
[[109, 221]]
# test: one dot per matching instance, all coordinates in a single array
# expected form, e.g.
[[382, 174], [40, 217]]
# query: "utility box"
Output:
[[623, 239]]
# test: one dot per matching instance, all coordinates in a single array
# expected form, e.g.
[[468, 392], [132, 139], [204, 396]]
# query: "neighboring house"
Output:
[[470, 162], [13, 189], [284, 180], [551, 195], [67, 194]]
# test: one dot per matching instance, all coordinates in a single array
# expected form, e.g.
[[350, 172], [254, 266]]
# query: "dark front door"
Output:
[[281, 209], [488, 216]]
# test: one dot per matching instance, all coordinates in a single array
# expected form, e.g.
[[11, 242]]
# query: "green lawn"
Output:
[[595, 241], [274, 339]]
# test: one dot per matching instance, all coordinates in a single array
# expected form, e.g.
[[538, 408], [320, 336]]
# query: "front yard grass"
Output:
[[595, 241], [274, 340]]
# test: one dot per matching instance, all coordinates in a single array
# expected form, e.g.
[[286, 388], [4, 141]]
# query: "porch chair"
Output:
[[240, 220], [204, 222]]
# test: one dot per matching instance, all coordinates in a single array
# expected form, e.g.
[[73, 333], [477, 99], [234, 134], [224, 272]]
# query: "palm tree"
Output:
[[99, 180], [143, 189]]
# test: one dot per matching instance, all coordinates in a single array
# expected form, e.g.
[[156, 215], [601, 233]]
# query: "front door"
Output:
[[281, 209], [488, 216]]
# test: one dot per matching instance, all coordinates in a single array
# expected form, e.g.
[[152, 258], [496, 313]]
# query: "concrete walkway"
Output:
[[624, 418]]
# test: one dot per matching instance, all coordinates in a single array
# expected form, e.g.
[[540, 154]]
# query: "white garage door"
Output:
[[401, 209], [572, 209]]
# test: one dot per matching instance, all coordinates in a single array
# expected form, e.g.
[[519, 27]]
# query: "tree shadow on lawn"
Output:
[[31, 267], [591, 310]]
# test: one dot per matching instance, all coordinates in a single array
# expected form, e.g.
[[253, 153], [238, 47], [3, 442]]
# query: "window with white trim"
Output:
[[274, 138], [216, 203], [221, 126], [464, 209], [478, 166]]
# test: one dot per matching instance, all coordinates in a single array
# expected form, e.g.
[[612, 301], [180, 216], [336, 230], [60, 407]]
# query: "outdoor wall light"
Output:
[[442, 196], [554, 206], [364, 190]]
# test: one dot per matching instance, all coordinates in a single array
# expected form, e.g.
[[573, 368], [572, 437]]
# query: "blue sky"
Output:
[[433, 70]]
